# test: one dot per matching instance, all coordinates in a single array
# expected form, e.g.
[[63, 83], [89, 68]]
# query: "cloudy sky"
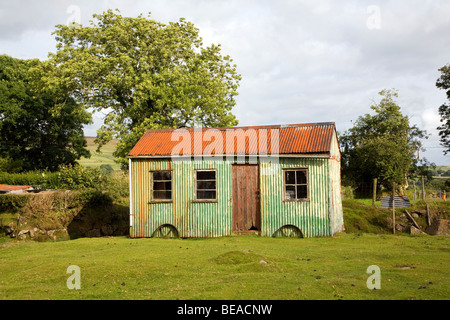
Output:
[[301, 61]]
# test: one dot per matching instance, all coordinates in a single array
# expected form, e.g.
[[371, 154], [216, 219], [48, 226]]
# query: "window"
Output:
[[296, 184], [205, 185], [162, 186]]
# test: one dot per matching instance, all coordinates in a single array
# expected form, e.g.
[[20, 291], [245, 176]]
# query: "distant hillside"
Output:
[[96, 160]]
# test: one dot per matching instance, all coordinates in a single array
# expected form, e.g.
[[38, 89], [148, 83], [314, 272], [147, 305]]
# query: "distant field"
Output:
[[96, 160], [444, 169]]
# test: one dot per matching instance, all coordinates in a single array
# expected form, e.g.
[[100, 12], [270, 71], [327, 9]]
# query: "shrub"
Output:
[[68, 177], [12, 202], [76, 177], [106, 169], [347, 192], [9, 165], [32, 178]]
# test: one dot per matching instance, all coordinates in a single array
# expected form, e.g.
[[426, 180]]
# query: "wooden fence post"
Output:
[[374, 197], [393, 208], [423, 188]]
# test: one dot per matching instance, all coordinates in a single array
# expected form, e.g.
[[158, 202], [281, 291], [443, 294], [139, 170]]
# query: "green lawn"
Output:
[[412, 267]]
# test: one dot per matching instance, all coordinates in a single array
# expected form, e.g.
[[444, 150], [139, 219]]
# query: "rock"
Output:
[[414, 230], [439, 227], [415, 215], [400, 227], [107, 230], [8, 230], [51, 234], [23, 232]]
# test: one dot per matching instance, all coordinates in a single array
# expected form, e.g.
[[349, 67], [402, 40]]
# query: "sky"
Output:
[[300, 61]]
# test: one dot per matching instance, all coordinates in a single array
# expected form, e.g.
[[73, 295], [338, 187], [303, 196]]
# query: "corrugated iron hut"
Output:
[[275, 180]]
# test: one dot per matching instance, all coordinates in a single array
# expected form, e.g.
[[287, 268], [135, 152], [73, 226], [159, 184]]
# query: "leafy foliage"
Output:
[[37, 130], [67, 177], [77, 177], [382, 146], [30, 178], [12, 202], [444, 111], [144, 74], [9, 165]]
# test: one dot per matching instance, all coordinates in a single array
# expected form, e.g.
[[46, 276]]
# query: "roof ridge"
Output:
[[281, 126]]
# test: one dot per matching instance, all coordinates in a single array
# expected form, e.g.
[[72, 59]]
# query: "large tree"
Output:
[[38, 130], [383, 146], [143, 74], [444, 111]]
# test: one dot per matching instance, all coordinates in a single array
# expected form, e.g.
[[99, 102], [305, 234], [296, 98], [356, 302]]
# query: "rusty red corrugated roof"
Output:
[[308, 138], [6, 187]]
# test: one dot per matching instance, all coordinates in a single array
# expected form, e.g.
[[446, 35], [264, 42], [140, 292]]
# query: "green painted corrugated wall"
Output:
[[320, 216], [190, 218], [311, 217]]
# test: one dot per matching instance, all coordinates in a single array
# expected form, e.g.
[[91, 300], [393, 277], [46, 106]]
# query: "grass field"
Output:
[[412, 267], [97, 159]]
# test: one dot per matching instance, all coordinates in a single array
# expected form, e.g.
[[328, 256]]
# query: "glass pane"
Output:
[[162, 175], [206, 175], [302, 192], [162, 185], [162, 195], [290, 193], [209, 185], [206, 195], [289, 177], [301, 177]]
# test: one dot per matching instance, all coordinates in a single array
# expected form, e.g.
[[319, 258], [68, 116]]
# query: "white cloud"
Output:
[[430, 119]]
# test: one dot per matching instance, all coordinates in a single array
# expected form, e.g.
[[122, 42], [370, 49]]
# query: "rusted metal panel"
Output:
[[245, 188], [310, 217], [191, 218], [291, 139]]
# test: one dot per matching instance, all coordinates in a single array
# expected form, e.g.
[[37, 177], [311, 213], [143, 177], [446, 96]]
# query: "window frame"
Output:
[[152, 196], [195, 186], [306, 170]]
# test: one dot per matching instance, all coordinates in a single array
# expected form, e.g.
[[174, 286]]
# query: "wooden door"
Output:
[[246, 207]]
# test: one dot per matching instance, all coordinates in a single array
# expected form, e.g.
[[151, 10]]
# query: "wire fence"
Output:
[[414, 191]]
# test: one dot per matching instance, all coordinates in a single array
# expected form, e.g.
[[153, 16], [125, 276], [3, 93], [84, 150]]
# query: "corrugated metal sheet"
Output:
[[193, 219], [190, 218], [311, 217], [288, 139], [14, 189], [400, 202]]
